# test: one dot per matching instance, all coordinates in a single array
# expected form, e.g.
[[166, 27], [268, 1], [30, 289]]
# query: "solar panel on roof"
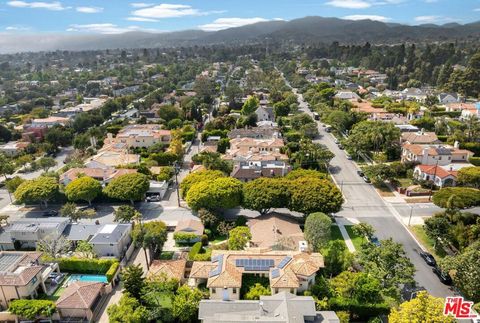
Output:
[[275, 273], [284, 262]]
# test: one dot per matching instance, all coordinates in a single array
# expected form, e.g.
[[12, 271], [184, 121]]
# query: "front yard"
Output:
[[427, 242]]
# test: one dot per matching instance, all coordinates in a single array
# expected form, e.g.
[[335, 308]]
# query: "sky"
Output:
[[117, 16]]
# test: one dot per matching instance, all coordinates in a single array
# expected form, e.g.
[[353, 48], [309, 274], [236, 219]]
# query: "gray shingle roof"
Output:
[[110, 233]]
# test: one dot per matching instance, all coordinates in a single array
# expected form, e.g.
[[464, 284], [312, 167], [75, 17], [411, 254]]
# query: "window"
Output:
[[234, 290]]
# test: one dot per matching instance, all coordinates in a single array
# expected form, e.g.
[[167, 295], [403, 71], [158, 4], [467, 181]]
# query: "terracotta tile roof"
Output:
[[300, 264], [171, 268], [268, 229], [21, 269], [97, 173], [437, 171], [80, 295], [190, 225], [420, 137], [201, 269], [20, 279]]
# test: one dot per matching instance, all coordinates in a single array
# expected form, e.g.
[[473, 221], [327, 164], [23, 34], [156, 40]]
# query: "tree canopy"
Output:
[[317, 230], [263, 194], [423, 308], [309, 195], [197, 177], [128, 187], [457, 197], [41, 189], [469, 176], [83, 188], [225, 192], [150, 235], [238, 238]]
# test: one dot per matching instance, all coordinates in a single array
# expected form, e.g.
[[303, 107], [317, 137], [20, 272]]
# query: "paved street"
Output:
[[364, 203]]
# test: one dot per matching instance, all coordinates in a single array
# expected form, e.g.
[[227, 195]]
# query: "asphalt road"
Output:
[[363, 203]]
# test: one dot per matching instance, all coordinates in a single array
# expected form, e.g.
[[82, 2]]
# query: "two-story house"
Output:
[[139, 135]]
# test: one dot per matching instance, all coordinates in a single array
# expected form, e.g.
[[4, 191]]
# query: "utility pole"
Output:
[[433, 181]]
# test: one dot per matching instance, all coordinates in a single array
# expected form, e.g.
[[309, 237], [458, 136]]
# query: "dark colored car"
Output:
[[360, 173], [50, 213], [366, 179], [153, 198], [340, 147], [443, 276], [429, 259], [374, 240]]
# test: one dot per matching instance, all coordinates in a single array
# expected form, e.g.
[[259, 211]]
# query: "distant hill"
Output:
[[303, 30]]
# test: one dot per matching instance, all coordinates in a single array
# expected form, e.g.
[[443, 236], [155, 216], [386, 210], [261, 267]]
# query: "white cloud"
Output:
[[349, 4], [56, 6], [371, 17], [432, 19], [106, 28], [430, 1], [141, 4], [166, 10], [225, 23], [89, 9], [141, 19], [17, 28], [477, 9]]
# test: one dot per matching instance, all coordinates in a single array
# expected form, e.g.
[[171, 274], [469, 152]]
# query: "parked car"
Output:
[[374, 240], [336, 141], [153, 198], [50, 213], [340, 146], [429, 259], [443, 276], [348, 156], [360, 173], [366, 179]]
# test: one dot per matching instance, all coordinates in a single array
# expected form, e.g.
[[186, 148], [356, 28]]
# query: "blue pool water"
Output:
[[89, 278]]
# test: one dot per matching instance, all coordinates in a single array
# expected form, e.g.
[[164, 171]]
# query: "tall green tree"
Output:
[[250, 105], [219, 193], [128, 310], [128, 187], [150, 235], [41, 189], [133, 280], [310, 195], [317, 230], [186, 303], [263, 194], [423, 308], [238, 238], [83, 188], [46, 163]]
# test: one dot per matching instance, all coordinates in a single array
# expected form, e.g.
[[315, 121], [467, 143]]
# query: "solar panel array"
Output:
[[275, 273], [255, 264], [219, 260], [284, 262]]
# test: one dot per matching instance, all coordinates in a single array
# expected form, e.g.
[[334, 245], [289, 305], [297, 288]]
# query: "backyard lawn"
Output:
[[336, 234]]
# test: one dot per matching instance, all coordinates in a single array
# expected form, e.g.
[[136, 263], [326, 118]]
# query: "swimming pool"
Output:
[[88, 278]]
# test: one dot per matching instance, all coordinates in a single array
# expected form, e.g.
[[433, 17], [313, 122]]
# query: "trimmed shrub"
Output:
[[84, 266], [474, 161], [112, 271], [32, 308], [184, 237], [194, 250], [458, 197], [361, 312], [198, 253]]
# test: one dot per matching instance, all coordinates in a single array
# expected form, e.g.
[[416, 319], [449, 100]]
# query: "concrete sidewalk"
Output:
[[341, 222]]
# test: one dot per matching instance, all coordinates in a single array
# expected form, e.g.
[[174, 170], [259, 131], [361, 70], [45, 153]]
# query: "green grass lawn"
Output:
[[404, 182], [218, 239], [166, 255], [428, 243], [356, 239], [336, 234]]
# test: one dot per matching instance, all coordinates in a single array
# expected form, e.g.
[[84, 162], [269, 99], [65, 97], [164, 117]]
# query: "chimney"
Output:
[[225, 296], [456, 145], [422, 131], [425, 155]]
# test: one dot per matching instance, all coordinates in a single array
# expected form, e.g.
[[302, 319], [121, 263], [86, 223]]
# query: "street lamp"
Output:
[[410, 217], [177, 168]]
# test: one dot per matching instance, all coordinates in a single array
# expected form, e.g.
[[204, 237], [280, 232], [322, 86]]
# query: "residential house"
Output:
[[275, 231], [471, 111], [111, 158], [103, 175], [191, 226], [80, 301], [265, 113], [157, 188], [287, 271], [112, 240], [420, 138], [174, 269], [414, 94], [446, 98], [108, 240], [89, 104], [253, 169], [347, 95], [249, 149], [441, 155], [13, 148], [407, 128], [22, 275], [139, 135], [440, 176], [49, 122], [26, 232], [283, 307], [255, 132]]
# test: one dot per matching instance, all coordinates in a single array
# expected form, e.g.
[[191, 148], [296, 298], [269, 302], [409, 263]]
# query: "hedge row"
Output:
[[185, 237], [85, 266], [112, 271], [451, 114], [474, 161], [361, 312], [198, 253]]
